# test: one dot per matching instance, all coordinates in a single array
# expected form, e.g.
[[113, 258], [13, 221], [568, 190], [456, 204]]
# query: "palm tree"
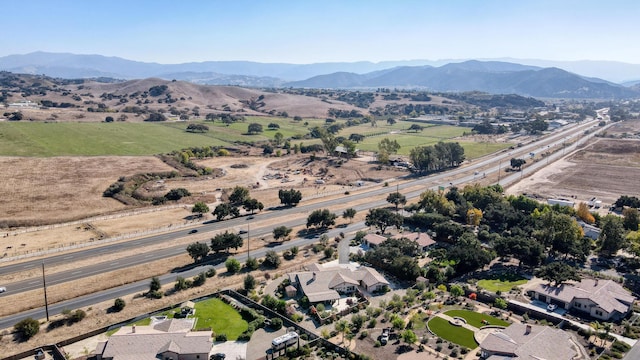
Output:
[[607, 328], [342, 326]]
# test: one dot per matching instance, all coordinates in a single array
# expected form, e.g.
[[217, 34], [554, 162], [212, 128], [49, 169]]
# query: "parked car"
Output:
[[384, 338], [552, 307], [2, 289], [218, 356]]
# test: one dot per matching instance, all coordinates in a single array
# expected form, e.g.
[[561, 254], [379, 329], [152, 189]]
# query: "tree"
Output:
[[254, 128], [155, 284], [356, 137], [517, 163], [383, 218], [119, 304], [281, 232], [252, 205], [238, 195], [388, 146], [201, 128], [409, 337], [396, 199], [391, 121], [278, 137], [321, 219], [177, 194], [108, 119], [223, 210], [232, 265], [200, 208], [456, 291], [198, 251], [557, 272], [28, 327], [631, 218], [342, 327], [249, 282], [328, 252], [415, 128], [584, 214], [474, 216], [272, 259], [349, 213], [611, 237], [226, 241], [181, 284], [289, 197]]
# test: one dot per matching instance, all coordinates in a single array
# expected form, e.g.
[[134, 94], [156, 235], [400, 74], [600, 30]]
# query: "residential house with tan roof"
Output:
[[424, 240], [602, 299], [522, 341], [167, 340], [321, 284], [373, 240]]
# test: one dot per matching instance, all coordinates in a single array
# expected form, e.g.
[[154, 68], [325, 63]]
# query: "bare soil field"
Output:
[[605, 168]]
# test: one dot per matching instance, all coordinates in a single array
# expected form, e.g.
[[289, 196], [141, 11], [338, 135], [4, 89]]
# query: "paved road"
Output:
[[376, 195]]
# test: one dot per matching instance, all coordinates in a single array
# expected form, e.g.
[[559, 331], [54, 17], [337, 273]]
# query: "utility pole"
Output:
[[499, 165], [44, 285], [248, 237]]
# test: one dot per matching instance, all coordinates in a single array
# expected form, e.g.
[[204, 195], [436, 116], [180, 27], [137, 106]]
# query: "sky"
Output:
[[312, 31]]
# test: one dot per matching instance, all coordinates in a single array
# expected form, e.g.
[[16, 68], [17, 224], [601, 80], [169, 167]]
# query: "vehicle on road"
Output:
[[552, 307], [217, 356], [2, 289], [193, 231]]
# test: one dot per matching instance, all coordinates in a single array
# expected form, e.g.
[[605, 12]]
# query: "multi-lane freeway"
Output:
[[373, 196]]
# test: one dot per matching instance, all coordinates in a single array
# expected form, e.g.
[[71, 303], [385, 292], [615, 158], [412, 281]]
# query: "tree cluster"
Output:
[[437, 157]]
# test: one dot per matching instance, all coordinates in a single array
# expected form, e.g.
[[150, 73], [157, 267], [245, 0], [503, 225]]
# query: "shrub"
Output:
[[119, 304], [252, 264], [272, 259], [377, 344], [221, 337], [276, 324], [199, 279], [233, 265], [249, 282], [77, 316], [372, 323], [28, 327], [211, 272]]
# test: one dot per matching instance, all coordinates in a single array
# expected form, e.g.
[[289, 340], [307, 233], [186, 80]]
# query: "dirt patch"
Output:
[[605, 169]]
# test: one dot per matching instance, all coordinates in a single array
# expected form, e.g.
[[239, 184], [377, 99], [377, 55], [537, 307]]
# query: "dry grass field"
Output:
[[64, 188]]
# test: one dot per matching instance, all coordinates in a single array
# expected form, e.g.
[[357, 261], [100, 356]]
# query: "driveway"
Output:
[[234, 350]]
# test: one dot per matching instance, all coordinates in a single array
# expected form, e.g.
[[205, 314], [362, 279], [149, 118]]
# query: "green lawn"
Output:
[[220, 317], [455, 334], [475, 319], [504, 283], [92, 139], [122, 138]]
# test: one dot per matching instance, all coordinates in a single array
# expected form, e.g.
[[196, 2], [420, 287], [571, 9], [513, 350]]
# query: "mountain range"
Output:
[[500, 77]]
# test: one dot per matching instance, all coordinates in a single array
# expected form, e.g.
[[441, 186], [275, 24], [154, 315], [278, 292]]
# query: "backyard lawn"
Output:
[[455, 334], [220, 317], [503, 283], [475, 319], [212, 313]]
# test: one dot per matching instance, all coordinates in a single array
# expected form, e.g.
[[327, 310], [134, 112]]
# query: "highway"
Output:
[[376, 196]]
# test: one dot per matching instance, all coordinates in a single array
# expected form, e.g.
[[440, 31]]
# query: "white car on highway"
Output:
[[2, 289]]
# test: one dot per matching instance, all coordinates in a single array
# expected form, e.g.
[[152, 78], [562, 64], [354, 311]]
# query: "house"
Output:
[[321, 284], [601, 299], [424, 240], [522, 341], [373, 240], [166, 339], [590, 231]]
